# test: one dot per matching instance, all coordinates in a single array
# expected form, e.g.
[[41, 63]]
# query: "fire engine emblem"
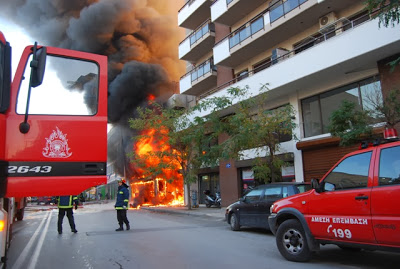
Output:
[[57, 145]]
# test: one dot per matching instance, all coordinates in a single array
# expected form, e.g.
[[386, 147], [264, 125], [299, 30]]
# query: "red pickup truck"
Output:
[[354, 206]]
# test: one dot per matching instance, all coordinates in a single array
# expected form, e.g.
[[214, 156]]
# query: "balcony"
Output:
[[229, 12], [200, 79], [193, 13], [269, 28], [198, 43], [322, 61]]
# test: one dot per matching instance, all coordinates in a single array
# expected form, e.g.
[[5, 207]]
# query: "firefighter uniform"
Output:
[[121, 205], [65, 205]]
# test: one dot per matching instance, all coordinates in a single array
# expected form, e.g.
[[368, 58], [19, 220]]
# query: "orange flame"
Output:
[[164, 190]]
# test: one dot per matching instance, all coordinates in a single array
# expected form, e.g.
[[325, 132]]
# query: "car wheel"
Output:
[[234, 221], [292, 242]]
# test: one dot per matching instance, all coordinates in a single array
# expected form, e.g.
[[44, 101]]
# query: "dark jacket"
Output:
[[122, 197], [67, 201]]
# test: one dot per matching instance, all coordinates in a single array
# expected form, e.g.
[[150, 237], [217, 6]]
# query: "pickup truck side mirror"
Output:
[[315, 185]]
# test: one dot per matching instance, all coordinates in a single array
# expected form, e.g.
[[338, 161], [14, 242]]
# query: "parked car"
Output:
[[355, 206], [252, 210], [46, 200]]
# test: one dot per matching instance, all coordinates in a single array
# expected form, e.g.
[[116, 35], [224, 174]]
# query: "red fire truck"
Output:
[[53, 127], [354, 206]]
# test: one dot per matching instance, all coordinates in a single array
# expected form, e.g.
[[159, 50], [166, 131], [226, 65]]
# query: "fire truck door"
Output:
[[64, 148]]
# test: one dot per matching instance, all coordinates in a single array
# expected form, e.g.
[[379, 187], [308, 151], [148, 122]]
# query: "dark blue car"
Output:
[[252, 210]]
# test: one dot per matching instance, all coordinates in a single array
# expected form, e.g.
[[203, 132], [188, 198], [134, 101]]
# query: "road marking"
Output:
[[24, 253], [35, 256]]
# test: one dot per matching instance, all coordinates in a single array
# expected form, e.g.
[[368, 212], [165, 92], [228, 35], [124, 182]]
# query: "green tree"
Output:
[[251, 126], [388, 12], [351, 124]]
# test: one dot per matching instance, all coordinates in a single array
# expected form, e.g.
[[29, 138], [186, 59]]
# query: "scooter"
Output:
[[211, 200]]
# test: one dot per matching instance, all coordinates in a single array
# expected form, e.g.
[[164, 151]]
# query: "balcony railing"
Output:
[[308, 43], [276, 11], [244, 33], [204, 29], [281, 8], [201, 70]]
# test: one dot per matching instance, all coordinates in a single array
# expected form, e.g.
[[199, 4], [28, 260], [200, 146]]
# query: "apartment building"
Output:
[[311, 53]]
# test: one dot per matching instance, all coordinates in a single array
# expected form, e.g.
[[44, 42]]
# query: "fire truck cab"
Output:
[[354, 206], [53, 126]]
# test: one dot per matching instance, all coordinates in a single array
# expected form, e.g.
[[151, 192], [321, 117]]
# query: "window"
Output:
[[273, 193], [316, 110], [389, 166], [254, 195], [351, 173], [70, 87], [242, 75], [262, 65]]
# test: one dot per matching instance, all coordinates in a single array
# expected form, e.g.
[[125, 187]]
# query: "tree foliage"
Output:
[[349, 123], [388, 11], [252, 126]]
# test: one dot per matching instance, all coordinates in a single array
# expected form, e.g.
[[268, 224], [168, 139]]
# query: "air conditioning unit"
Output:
[[327, 19]]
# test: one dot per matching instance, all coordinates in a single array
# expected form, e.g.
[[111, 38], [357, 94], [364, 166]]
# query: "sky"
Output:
[[17, 38]]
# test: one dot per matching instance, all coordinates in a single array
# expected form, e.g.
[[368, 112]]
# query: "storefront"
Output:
[[209, 182]]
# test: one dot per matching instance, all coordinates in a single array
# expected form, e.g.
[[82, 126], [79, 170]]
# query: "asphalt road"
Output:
[[161, 240]]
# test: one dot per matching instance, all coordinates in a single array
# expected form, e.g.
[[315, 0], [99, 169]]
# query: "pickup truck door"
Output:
[[385, 209], [342, 210], [65, 149]]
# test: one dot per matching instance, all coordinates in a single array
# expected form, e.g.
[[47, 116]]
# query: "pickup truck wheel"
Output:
[[234, 221], [292, 242]]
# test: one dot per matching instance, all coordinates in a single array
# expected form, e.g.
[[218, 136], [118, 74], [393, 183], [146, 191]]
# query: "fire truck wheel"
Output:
[[292, 242], [234, 222]]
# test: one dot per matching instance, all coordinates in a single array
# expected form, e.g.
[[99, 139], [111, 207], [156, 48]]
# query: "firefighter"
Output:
[[121, 205], [65, 205]]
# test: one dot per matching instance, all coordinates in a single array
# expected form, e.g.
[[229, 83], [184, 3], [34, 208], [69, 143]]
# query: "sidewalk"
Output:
[[202, 210]]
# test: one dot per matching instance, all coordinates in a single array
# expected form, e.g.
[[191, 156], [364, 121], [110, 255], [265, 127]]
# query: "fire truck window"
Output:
[[351, 173], [389, 166], [70, 87]]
